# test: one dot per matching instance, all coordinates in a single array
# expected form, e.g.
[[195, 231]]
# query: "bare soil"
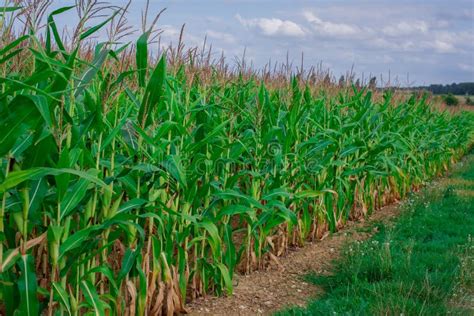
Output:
[[282, 285]]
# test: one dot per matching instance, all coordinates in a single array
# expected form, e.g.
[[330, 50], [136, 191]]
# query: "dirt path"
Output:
[[264, 292]]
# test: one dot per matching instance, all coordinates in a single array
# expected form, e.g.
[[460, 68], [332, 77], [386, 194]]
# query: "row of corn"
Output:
[[130, 192]]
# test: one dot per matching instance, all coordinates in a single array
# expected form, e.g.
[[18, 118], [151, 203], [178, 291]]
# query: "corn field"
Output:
[[130, 185]]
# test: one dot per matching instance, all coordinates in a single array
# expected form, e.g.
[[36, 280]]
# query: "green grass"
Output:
[[410, 268]]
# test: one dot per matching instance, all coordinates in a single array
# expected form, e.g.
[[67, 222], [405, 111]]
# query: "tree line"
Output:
[[462, 88]]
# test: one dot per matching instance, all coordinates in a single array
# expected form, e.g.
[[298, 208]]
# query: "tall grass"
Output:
[[129, 188]]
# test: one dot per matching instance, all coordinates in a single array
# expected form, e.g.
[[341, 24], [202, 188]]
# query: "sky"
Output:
[[415, 42]]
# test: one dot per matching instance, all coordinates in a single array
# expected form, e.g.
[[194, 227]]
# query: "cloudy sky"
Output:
[[431, 41]]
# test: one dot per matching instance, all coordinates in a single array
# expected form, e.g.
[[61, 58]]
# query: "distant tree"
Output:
[[373, 83], [462, 88], [451, 100], [469, 101], [342, 81], [327, 80], [357, 83]]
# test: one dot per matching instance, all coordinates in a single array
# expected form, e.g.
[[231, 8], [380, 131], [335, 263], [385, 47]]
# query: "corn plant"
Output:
[[133, 187]]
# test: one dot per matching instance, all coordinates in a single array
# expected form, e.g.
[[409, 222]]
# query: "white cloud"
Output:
[[170, 34], [406, 28], [387, 59], [405, 45], [442, 24], [457, 39], [221, 36], [327, 28], [466, 67], [443, 46], [425, 60], [169, 31], [273, 26]]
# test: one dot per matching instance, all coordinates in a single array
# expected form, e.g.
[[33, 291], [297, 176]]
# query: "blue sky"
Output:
[[432, 41]]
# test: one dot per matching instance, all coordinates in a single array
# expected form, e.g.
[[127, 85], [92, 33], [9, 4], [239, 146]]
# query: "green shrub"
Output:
[[469, 101], [451, 100]]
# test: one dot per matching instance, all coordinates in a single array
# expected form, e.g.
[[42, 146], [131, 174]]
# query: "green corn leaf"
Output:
[[22, 117], [232, 194], [16, 177], [29, 84], [142, 293], [62, 78], [97, 27], [62, 180], [330, 216], [54, 233], [13, 44], [142, 58], [22, 144], [175, 167], [92, 298], [74, 241], [235, 209], [9, 56], [127, 263], [230, 252], [214, 238], [27, 287], [276, 193], [226, 277], [37, 193], [53, 28], [153, 93], [9, 293], [9, 9], [113, 133], [91, 72], [308, 194], [73, 197], [63, 296], [109, 274], [130, 205]]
